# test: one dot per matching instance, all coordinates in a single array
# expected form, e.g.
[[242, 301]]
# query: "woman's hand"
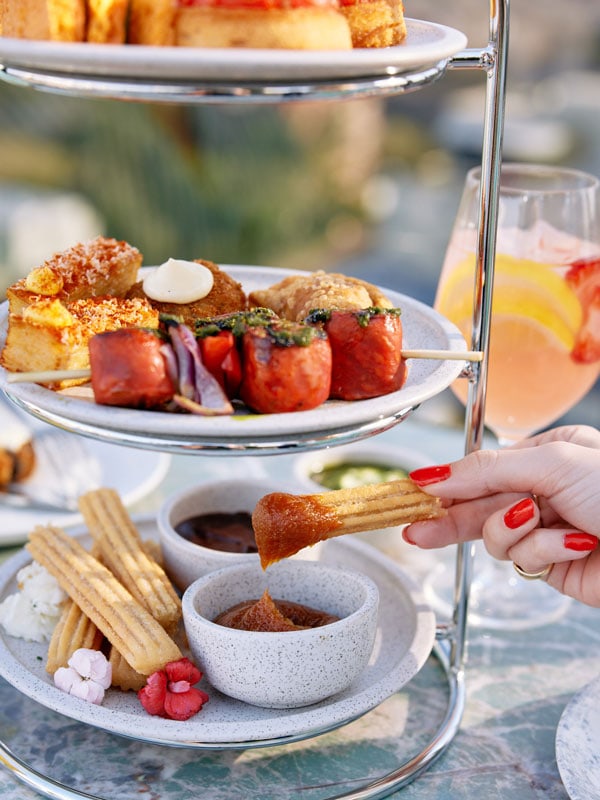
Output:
[[536, 503]]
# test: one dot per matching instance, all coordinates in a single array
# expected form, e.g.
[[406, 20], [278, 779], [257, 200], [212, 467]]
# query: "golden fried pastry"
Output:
[[99, 267], [152, 22], [284, 523], [124, 677], [140, 639], [122, 550], [107, 21], [297, 295], [375, 23], [73, 630], [66, 20], [226, 295], [48, 335]]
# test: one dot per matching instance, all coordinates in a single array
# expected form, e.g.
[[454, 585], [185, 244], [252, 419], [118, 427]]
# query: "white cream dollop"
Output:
[[178, 281], [33, 611]]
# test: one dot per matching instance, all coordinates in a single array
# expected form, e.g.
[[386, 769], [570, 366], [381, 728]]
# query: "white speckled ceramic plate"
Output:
[[423, 328], [577, 744], [405, 636], [426, 44]]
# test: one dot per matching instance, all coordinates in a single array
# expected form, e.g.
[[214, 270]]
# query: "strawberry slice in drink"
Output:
[[584, 278]]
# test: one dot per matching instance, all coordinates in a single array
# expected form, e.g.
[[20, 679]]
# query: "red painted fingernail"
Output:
[[520, 513], [406, 537], [426, 475], [580, 541]]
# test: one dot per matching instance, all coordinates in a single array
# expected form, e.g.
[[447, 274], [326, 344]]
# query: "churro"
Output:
[[284, 523], [124, 553], [73, 631], [124, 676], [127, 625]]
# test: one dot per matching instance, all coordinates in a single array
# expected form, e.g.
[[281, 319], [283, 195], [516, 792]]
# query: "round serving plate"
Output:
[[426, 44], [405, 637], [334, 422]]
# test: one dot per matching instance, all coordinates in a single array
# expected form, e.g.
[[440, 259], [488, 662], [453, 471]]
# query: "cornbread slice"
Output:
[[48, 334], [140, 639], [100, 267]]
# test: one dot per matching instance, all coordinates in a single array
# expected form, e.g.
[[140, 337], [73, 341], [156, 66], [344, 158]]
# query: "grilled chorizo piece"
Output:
[[130, 368], [286, 366], [366, 348]]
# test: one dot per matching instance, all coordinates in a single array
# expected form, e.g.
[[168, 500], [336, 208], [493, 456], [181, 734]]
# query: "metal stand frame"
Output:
[[492, 60]]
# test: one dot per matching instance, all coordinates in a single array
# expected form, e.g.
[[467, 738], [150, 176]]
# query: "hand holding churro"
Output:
[[284, 523]]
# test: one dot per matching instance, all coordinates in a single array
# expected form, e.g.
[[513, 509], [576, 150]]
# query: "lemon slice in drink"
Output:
[[523, 288]]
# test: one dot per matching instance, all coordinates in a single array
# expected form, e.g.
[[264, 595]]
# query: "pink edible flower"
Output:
[[170, 692]]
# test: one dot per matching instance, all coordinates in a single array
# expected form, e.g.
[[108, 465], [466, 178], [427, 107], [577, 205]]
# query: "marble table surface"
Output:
[[517, 685]]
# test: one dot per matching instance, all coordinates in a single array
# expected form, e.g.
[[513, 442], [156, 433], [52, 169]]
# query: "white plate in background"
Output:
[[426, 44], [133, 473]]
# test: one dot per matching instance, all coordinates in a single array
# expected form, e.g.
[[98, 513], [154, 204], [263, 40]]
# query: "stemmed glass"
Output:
[[544, 351]]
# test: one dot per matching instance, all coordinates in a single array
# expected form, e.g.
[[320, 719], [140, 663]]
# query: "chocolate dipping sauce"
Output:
[[231, 533]]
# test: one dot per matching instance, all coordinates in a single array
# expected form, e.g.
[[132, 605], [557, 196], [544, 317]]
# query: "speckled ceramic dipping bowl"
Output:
[[184, 560], [292, 668]]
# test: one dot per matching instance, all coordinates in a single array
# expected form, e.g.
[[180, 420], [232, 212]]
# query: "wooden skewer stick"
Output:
[[445, 355], [48, 376], [284, 523], [55, 375]]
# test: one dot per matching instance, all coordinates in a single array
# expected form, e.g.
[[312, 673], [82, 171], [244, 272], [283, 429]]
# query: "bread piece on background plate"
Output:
[[152, 22], [67, 19], [107, 21], [24, 19], [375, 23], [307, 28]]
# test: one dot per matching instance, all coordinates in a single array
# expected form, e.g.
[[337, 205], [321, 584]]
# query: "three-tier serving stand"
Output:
[[491, 61]]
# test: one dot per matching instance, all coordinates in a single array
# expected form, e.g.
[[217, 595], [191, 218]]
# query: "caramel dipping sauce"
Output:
[[229, 532], [269, 614]]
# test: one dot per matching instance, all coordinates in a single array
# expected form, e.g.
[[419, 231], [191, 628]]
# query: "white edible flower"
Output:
[[33, 611], [88, 675]]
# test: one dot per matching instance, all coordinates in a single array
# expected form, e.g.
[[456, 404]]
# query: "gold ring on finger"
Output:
[[533, 576]]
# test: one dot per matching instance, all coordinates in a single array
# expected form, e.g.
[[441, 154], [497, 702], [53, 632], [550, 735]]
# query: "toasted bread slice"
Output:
[[152, 22], [100, 267], [25, 19], [48, 334]]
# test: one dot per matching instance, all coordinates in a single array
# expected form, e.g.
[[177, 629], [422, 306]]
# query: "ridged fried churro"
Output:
[[127, 625], [284, 523], [124, 676], [123, 552], [73, 630]]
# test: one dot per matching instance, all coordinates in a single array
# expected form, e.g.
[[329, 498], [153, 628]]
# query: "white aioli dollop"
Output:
[[178, 281]]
